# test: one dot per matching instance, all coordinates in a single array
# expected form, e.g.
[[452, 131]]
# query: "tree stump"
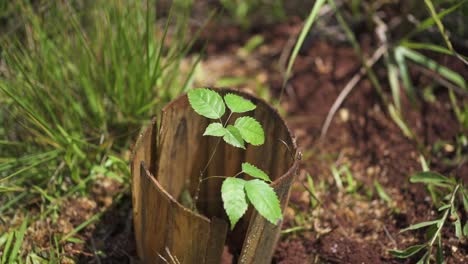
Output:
[[167, 162]]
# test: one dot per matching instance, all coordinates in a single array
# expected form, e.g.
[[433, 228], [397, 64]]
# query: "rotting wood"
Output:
[[166, 163]]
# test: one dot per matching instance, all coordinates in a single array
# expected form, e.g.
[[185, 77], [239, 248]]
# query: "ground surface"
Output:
[[354, 227], [347, 227]]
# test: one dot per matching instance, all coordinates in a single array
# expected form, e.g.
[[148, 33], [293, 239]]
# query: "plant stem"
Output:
[[201, 179], [227, 120], [211, 177]]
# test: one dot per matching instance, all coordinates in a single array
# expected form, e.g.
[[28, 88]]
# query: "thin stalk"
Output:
[[201, 179], [215, 177]]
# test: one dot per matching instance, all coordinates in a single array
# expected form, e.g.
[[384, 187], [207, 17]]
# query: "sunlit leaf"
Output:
[[465, 229], [233, 137], [407, 252], [237, 104], [251, 130], [215, 129], [233, 195], [264, 199], [207, 103], [420, 225], [254, 171], [381, 192]]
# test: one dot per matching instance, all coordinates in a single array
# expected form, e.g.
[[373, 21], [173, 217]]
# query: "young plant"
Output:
[[237, 192], [448, 213]]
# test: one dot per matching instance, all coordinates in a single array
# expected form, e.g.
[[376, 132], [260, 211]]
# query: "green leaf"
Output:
[[251, 130], [429, 177], [434, 66], [215, 129], [19, 237], [439, 252], [457, 224], [264, 199], [381, 192], [233, 195], [207, 103], [420, 225], [233, 137], [465, 229], [254, 171], [408, 252], [237, 104]]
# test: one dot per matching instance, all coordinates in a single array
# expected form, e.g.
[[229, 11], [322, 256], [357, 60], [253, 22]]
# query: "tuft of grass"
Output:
[[77, 81]]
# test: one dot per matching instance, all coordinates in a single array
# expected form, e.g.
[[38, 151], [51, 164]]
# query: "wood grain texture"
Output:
[[172, 164]]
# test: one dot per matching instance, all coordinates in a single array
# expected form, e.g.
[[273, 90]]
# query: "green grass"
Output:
[[79, 80]]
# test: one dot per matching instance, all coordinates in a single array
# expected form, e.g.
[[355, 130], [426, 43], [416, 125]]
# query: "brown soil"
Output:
[[351, 227], [346, 227]]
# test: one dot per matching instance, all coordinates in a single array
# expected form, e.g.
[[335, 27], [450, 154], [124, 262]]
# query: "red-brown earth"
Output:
[[346, 227]]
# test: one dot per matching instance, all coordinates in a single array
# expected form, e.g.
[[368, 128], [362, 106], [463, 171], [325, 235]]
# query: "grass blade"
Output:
[[434, 66], [305, 30], [19, 237], [439, 24]]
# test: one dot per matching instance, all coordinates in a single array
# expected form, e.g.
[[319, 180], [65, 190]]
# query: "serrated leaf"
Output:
[[237, 104], [215, 129], [420, 225], [234, 202], [233, 137], [408, 252], [206, 102], [264, 199], [429, 177], [254, 171], [251, 130]]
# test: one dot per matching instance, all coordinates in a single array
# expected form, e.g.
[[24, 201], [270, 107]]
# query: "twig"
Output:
[[349, 87]]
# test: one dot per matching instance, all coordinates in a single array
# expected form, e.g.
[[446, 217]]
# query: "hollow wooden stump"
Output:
[[167, 162]]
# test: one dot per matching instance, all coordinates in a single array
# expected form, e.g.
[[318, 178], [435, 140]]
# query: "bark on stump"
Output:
[[169, 161]]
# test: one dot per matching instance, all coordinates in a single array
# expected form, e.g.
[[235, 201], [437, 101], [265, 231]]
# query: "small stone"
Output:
[[449, 148], [344, 114], [289, 214]]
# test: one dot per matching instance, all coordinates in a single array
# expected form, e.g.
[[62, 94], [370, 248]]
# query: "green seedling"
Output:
[[352, 184], [237, 192], [381, 193]]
